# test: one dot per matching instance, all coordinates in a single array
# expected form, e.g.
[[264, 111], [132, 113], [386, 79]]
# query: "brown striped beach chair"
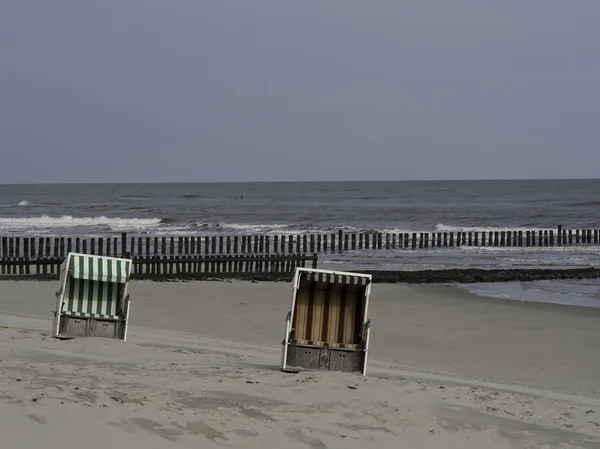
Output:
[[92, 300], [327, 327]]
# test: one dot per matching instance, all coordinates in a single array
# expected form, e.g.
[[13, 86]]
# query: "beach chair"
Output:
[[327, 327], [92, 300]]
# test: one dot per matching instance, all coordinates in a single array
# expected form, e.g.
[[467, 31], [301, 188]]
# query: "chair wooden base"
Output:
[[71, 327], [325, 358]]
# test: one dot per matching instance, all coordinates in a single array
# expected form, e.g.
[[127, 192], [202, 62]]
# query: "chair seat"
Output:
[[325, 344], [98, 316]]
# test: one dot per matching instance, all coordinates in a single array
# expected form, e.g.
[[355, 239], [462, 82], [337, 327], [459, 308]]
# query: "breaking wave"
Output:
[[448, 228], [66, 221]]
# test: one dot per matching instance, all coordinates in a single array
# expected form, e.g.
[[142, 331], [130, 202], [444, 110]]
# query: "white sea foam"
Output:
[[448, 228], [253, 227], [24, 203], [67, 221]]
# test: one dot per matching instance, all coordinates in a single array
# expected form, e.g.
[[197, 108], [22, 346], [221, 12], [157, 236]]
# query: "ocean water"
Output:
[[296, 208]]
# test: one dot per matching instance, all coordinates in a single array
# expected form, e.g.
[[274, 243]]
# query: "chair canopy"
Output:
[[94, 286]]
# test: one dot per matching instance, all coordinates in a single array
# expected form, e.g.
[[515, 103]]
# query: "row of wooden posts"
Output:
[[168, 265], [136, 247]]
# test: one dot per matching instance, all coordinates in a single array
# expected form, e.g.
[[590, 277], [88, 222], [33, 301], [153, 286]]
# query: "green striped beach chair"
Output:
[[92, 300], [327, 327]]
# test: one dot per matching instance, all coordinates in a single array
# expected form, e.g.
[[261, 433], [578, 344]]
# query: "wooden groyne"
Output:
[[258, 253], [173, 266], [139, 246]]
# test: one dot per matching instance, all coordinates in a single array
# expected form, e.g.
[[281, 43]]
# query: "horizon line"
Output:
[[294, 181]]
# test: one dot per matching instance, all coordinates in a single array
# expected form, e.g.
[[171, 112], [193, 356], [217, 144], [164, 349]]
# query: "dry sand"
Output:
[[200, 369]]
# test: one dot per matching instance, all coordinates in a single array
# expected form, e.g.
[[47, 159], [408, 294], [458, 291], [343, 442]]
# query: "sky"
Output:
[[278, 90]]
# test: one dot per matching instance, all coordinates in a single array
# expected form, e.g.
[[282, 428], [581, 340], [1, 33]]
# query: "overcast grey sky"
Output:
[[261, 90]]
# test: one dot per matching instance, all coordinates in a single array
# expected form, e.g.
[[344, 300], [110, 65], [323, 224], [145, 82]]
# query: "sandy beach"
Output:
[[447, 369]]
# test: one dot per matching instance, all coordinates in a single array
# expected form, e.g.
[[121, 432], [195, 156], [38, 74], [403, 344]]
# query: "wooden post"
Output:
[[346, 243], [528, 238], [414, 240], [570, 236], [595, 235], [304, 243], [340, 233], [520, 238], [123, 244], [546, 237], [26, 254], [11, 247], [451, 239], [427, 240], [560, 242], [551, 237], [62, 248], [354, 241]]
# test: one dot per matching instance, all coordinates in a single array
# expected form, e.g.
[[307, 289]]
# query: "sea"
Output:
[[200, 209]]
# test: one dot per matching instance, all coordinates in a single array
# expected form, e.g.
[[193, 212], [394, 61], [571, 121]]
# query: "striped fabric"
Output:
[[94, 288], [98, 268], [336, 278], [328, 314]]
